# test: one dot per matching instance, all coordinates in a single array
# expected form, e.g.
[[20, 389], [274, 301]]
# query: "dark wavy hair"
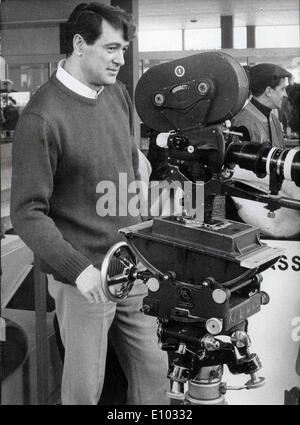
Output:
[[265, 75], [86, 20]]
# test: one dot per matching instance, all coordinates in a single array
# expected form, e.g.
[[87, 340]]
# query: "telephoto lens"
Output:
[[263, 159]]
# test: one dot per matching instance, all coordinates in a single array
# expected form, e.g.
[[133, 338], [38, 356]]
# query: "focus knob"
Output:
[[214, 326], [152, 284]]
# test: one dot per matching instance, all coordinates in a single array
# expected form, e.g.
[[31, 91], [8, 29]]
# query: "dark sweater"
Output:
[[260, 127], [65, 145]]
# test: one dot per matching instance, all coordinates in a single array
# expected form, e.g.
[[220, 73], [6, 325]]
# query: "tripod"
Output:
[[202, 345]]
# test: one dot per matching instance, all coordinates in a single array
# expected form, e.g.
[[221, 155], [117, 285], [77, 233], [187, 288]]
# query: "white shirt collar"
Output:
[[75, 85]]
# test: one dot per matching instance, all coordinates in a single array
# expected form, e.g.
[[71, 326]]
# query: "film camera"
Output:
[[203, 273]]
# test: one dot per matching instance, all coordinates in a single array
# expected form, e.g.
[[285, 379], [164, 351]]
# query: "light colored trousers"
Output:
[[84, 331]]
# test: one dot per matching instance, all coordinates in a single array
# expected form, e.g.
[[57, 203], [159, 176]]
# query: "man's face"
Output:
[[101, 61], [277, 94]]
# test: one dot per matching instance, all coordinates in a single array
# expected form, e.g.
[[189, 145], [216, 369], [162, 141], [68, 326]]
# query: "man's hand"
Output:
[[89, 285]]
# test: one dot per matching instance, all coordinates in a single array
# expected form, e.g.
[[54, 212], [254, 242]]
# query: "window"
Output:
[[203, 39], [239, 38], [277, 36], [150, 41]]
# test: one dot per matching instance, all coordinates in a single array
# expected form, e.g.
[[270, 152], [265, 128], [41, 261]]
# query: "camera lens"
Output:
[[263, 159]]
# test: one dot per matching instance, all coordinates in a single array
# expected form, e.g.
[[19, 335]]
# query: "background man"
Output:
[[74, 133], [258, 123], [256, 120]]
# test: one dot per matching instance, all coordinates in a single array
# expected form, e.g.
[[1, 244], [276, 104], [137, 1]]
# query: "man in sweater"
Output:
[[256, 120], [75, 133]]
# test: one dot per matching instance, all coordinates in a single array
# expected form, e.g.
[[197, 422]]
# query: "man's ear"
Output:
[[78, 44], [268, 91]]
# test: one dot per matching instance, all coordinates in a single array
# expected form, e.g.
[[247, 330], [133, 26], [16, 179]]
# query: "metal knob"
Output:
[[214, 326]]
